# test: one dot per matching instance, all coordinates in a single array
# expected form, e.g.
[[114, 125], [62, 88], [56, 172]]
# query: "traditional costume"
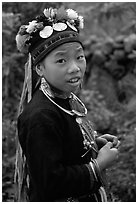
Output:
[[56, 154]]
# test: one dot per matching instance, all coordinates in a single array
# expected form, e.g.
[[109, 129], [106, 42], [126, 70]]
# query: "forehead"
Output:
[[76, 46]]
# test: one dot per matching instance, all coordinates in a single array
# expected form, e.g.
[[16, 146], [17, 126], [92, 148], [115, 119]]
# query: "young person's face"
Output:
[[64, 67]]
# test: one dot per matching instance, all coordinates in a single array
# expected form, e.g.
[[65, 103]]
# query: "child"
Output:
[[63, 159]]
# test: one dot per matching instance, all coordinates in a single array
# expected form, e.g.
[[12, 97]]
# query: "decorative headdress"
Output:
[[49, 30]]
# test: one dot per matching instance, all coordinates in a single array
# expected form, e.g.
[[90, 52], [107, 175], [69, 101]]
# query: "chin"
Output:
[[75, 90]]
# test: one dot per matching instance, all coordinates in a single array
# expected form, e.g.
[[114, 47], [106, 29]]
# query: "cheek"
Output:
[[50, 75], [83, 66], [54, 76]]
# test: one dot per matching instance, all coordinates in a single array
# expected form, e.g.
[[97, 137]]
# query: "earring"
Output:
[[78, 69]]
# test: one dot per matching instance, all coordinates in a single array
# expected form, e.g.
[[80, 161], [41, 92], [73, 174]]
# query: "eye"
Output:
[[61, 61], [80, 57]]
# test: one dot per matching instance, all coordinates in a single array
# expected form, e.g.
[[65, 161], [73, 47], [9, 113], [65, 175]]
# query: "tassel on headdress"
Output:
[[28, 72], [21, 173]]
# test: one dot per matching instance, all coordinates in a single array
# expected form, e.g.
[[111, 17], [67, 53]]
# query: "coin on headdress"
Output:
[[71, 26], [46, 32], [59, 26]]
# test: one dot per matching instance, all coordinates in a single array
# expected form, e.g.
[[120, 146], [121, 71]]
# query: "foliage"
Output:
[[117, 55], [123, 173], [107, 18], [12, 69], [109, 84], [8, 157]]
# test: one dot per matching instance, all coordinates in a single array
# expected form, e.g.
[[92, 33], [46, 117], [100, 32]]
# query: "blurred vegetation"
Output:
[[109, 87]]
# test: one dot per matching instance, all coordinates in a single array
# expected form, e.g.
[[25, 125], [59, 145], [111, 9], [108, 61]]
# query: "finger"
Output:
[[114, 149], [101, 140], [118, 144], [108, 137], [115, 141], [115, 152]]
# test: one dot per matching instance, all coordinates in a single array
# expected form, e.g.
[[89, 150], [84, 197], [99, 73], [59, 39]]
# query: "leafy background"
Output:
[[109, 85]]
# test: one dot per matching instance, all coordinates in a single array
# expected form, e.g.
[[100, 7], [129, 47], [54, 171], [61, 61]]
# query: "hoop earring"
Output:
[[78, 69]]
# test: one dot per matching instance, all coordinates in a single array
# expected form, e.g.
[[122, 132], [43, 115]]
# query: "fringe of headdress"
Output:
[[21, 174]]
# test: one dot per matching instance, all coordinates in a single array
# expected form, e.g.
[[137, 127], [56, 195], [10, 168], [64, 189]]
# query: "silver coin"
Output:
[[59, 26], [46, 32]]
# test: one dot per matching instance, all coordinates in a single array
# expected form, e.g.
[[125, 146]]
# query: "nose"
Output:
[[73, 67]]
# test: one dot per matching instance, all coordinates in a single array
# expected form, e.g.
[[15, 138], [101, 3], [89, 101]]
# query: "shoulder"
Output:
[[40, 111]]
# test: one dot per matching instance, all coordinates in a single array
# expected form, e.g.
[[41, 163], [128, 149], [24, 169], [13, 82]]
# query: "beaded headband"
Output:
[[49, 30]]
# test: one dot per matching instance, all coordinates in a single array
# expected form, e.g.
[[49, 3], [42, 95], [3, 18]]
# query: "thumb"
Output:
[[109, 144]]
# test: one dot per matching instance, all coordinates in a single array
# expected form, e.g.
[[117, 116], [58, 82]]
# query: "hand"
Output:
[[106, 156], [111, 138]]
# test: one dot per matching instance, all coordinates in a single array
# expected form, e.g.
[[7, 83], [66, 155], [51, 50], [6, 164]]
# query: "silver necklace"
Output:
[[72, 112]]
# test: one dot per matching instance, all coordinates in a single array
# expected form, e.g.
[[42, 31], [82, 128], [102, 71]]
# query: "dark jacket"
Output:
[[53, 144]]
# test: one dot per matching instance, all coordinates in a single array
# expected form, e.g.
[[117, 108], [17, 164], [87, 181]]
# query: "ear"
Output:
[[39, 69]]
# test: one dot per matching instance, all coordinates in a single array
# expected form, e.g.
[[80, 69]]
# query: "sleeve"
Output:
[[52, 179]]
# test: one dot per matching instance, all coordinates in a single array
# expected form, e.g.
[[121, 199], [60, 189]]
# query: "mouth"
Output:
[[75, 81]]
